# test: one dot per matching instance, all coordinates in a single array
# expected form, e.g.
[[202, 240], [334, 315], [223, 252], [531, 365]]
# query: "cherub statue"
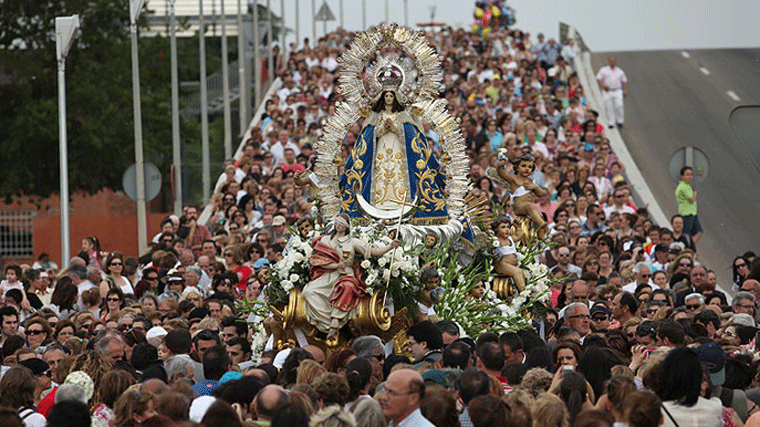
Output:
[[430, 294], [524, 190], [506, 254]]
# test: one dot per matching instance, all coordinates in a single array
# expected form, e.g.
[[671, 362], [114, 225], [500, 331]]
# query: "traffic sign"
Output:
[[324, 14], [152, 181], [689, 156]]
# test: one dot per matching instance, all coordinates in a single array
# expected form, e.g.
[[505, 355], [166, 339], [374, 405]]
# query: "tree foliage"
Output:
[[98, 94]]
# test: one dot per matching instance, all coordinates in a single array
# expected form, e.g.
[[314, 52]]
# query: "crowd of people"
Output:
[[636, 330]]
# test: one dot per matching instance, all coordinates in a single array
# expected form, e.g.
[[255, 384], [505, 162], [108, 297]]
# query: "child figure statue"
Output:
[[524, 190], [506, 254]]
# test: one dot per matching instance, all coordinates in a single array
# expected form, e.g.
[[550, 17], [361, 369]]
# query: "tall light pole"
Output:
[[340, 11], [135, 7], [283, 52], [65, 30], [256, 55], [176, 150], [226, 89], [206, 166], [406, 13], [242, 83], [270, 40], [364, 15], [313, 23], [298, 24]]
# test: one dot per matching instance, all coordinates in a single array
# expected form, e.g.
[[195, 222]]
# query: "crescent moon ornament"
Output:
[[386, 214]]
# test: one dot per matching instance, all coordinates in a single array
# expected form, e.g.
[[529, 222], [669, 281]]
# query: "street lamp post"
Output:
[[135, 7], [226, 88], [176, 150], [256, 56], [65, 31], [242, 84], [205, 153]]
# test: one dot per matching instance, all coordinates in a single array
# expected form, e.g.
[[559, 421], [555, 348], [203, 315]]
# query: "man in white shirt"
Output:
[[283, 142], [404, 390], [568, 51], [618, 204], [615, 86], [78, 276], [641, 274]]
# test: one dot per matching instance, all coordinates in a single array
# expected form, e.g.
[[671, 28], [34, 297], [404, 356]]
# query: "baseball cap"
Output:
[[714, 358], [660, 248], [278, 220], [37, 366], [588, 146], [435, 377], [599, 308]]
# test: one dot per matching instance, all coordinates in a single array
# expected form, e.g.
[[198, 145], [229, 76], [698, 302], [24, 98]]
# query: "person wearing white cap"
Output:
[[278, 227]]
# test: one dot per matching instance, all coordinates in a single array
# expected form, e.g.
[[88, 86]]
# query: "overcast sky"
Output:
[[606, 25]]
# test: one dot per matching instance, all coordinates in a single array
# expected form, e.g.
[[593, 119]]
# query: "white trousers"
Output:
[[613, 104]]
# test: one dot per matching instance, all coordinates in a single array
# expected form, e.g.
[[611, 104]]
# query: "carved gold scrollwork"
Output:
[[504, 287], [373, 315]]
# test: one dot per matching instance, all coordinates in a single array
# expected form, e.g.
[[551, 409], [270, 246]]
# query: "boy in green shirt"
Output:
[[686, 197]]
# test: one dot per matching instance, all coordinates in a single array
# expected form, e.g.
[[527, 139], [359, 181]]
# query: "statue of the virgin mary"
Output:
[[392, 174], [391, 162]]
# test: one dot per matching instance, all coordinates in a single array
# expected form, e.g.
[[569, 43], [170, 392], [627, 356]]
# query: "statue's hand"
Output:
[[337, 160], [445, 158]]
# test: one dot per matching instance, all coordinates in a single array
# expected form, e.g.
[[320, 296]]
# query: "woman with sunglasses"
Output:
[[114, 267], [114, 303], [739, 271], [234, 262], [37, 331]]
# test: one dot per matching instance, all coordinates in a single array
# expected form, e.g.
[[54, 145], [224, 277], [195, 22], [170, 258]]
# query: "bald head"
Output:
[[752, 286], [269, 399], [154, 386], [316, 353], [404, 390]]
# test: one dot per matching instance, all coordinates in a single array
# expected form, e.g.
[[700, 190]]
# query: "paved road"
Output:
[[676, 101]]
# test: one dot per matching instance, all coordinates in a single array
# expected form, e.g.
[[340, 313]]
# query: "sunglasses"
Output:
[[379, 357], [35, 332], [114, 264], [113, 299], [744, 264], [600, 318], [681, 264], [692, 306]]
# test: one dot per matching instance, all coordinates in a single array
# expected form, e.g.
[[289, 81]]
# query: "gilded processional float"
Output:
[[397, 237]]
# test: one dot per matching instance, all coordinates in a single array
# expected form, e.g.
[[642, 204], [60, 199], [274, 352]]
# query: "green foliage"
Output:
[[98, 96]]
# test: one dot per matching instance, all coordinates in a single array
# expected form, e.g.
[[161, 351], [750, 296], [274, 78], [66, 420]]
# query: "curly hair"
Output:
[[94, 364], [536, 381], [332, 416], [332, 388]]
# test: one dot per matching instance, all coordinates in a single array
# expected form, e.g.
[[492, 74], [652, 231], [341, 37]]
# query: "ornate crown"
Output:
[[390, 77]]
